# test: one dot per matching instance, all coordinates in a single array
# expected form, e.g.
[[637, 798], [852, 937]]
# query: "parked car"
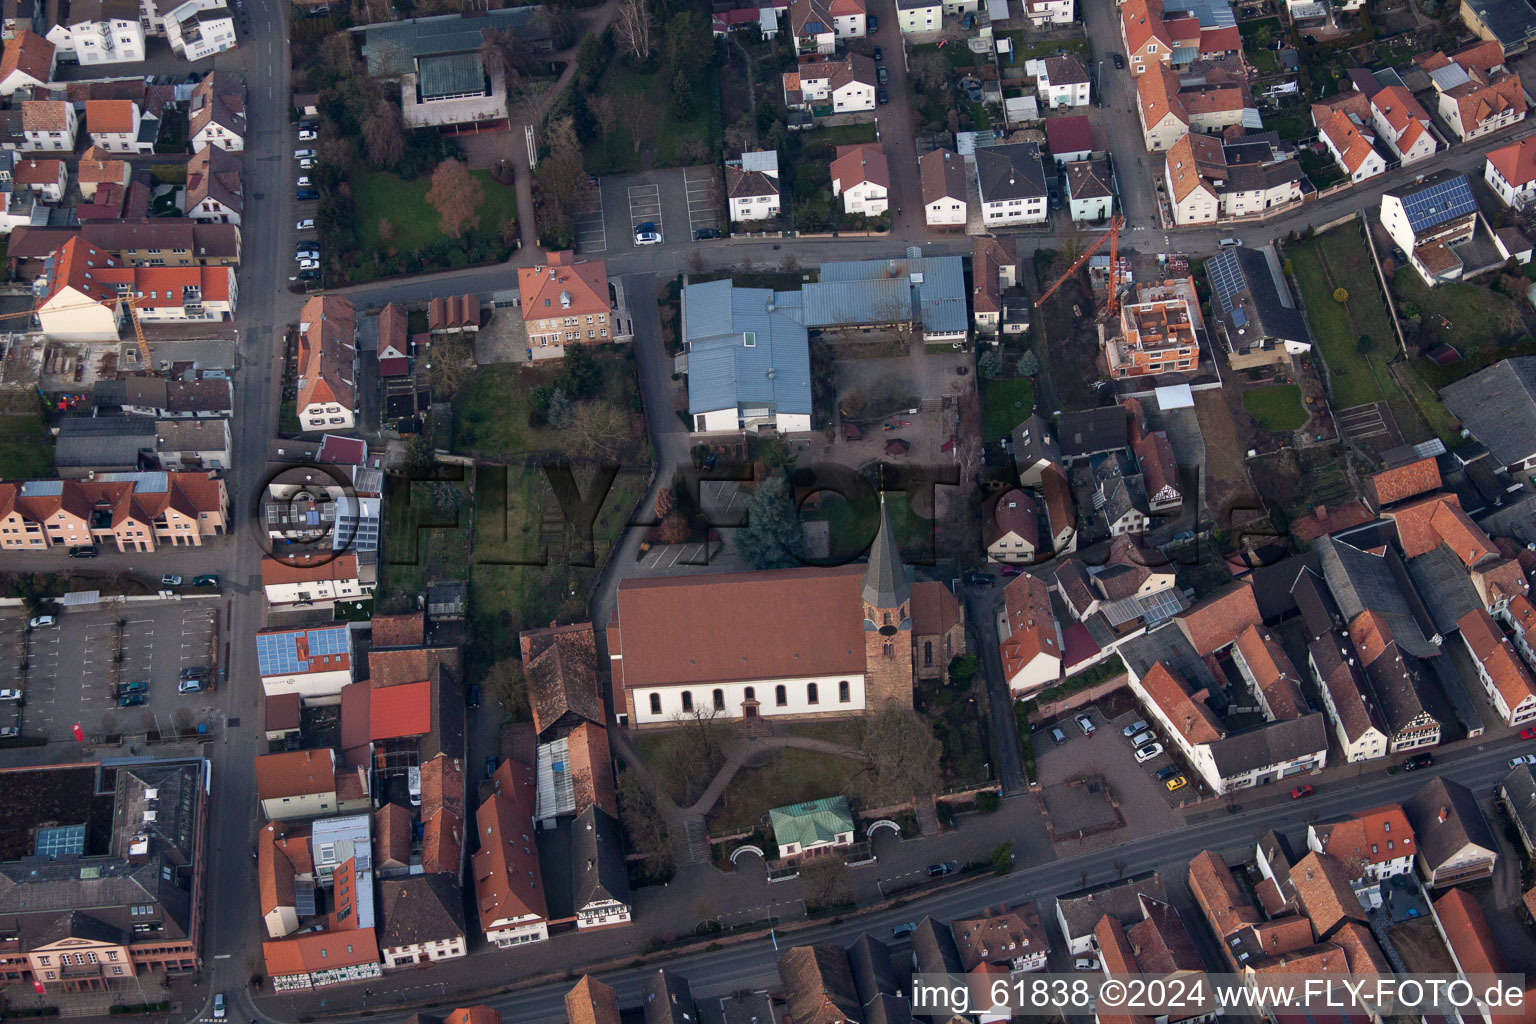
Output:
[[305, 195], [307, 164], [131, 700], [308, 135], [646, 234], [304, 154], [138, 686], [83, 551], [1140, 725], [1086, 724], [980, 579], [190, 686], [309, 124], [170, 581], [1119, 60], [906, 928], [969, 21], [1418, 761], [42, 622], [1231, 243], [881, 96], [1057, 735], [1176, 783], [10, 695], [307, 224], [704, 233], [1528, 733], [1086, 963], [940, 870], [1142, 738], [1516, 762], [490, 765], [882, 75], [208, 579], [472, 695], [309, 264], [1301, 791], [879, 54], [1148, 752], [308, 275], [303, 181], [9, 732], [218, 1006], [194, 672], [872, 24]]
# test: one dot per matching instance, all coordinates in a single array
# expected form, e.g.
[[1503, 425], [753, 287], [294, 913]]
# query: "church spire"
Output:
[[885, 580]]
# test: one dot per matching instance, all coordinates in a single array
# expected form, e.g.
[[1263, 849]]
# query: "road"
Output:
[[721, 972]]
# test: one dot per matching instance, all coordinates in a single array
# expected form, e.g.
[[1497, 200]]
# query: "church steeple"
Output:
[[885, 580]]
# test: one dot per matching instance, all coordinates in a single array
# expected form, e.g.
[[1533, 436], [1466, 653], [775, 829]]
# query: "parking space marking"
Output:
[[645, 205], [591, 232], [703, 212]]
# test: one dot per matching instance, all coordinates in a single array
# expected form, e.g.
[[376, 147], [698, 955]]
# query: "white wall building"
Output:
[[314, 663], [106, 32], [752, 186]]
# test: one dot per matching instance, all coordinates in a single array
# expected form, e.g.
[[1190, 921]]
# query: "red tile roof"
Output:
[[1278, 679], [1491, 647], [1404, 481], [1014, 512], [397, 712], [320, 951], [1032, 626], [1466, 928], [1216, 891], [1217, 620], [28, 53], [1187, 710], [295, 773], [506, 867], [563, 287], [110, 117], [326, 349], [308, 568], [1069, 134], [1516, 162], [857, 164], [1376, 836]]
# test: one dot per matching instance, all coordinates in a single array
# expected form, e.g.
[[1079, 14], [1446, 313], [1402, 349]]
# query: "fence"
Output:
[[1079, 699]]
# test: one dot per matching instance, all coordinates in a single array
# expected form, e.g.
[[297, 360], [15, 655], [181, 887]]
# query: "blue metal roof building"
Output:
[[929, 291], [749, 358]]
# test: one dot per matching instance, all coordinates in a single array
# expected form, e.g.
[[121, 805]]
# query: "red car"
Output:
[[1528, 733], [1301, 791]]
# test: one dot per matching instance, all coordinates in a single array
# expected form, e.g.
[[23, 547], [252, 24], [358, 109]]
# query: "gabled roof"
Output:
[[295, 773], [1088, 179], [1402, 482], [1010, 172], [215, 100], [1211, 883], [818, 984], [591, 1002], [942, 173], [420, 909], [1497, 405], [320, 951], [1446, 821], [565, 286], [1184, 708], [1277, 678], [1323, 886], [508, 882], [1345, 684], [1014, 512], [597, 855], [560, 668], [1516, 162], [28, 53], [1490, 646], [1031, 624], [1218, 619], [110, 117], [861, 163], [1069, 134], [215, 173], [1467, 932], [1375, 836], [327, 346]]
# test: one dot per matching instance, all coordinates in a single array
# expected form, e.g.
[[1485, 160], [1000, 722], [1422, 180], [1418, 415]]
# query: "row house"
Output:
[[1156, 34], [119, 126], [327, 358], [315, 663], [1357, 724], [48, 125], [1209, 179], [297, 784], [215, 187], [1168, 110], [1373, 845], [421, 919], [565, 302], [315, 579], [1504, 676], [1346, 129], [131, 511], [87, 289], [1477, 94], [216, 114]]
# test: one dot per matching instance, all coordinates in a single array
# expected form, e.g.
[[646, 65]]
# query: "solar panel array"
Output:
[[60, 841], [1439, 203], [328, 641], [1226, 277], [278, 653]]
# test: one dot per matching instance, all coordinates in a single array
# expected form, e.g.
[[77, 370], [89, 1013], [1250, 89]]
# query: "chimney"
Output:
[[1444, 813]]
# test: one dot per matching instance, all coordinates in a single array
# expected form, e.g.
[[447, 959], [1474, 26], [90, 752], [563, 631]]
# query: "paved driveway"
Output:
[[897, 129]]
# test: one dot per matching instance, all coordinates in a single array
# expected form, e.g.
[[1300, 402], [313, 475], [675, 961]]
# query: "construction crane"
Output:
[[1113, 237], [126, 302]]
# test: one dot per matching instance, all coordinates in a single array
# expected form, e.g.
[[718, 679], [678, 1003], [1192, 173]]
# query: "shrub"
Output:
[[987, 802]]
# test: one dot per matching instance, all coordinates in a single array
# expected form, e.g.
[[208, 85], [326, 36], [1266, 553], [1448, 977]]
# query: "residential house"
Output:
[[1012, 185], [1374, 845], [942, 173], [1079, 913], [314, 663], [667, 998], [86, 445], [1178, 36], [601, 884], [1350, 136], [1084, 433], [1346, 697], [1326, 894], [118, 126], [1504, 676], [1474, 950], [734, 337], [215, 189], [132, 511], [1455, 843], [1399, 483], [1513, 26], [591, 1002], [1090, 191], [1256, 323], [1009, 937], [296, 784], [28, 62], [847, 85], [1427, 218], [1477, 93], [1050, 12], [1520, 616], [104, 32], [48, 125], [919, 17], [810, 23], [1157, 335], [1062, 81], [96, 170], [1245, 176], [819, 984], [1510, 171], [1403, 125], [1494, 404], [1011, 532], [875, 981], [1030, 642], [1034, 448], [1168, 109], [808, 830], [861, 175], [312, 579], [94, 915], [1069, 139], [327, 359], [752, 186], [196, 29], [284, 870], [564, 302], [508, 884], [421, 920], [1518, 793], [216, 114], [1157, 943], [321, 959], [1498, 582], [45, 179], [166, 399]]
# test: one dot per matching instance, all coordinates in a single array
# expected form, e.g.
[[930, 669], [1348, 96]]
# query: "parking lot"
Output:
[[679, 201], [75, 668], [1144, 800]]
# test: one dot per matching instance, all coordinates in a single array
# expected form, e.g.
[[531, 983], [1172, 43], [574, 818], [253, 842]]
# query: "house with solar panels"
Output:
[[1427, 218], [313, 663], [443, 78], [1253, 317]]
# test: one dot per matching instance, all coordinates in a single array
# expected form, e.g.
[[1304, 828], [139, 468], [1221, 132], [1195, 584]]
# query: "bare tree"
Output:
[[506, 679], [930, 70], [902, 752], [600, 431], [695, 260], [826, 884], [638, 116], [384, 134], [181, 719], [456, 196], [634, 28], [452, 363], [604, 111], [644, 821]]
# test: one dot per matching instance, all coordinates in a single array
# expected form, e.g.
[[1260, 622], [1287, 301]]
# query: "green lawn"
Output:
[[851, 529], [821, 144], [792, 777], [1040, 47], [379, 195], [1289, 126], [1276, 407], [1265, 61], [1005, 403], [26, 448], [615, 152], [1459, 310], [1319, 269]]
